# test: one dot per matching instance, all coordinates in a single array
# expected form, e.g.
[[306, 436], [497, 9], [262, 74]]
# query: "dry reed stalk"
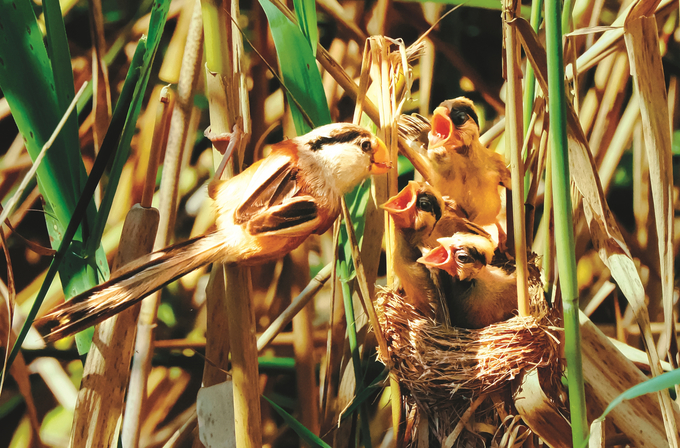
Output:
[[642, 43], [106, 371], [225, 85], [609, 110], [619, 142], [514, 132], [101, 98], [177, 137]]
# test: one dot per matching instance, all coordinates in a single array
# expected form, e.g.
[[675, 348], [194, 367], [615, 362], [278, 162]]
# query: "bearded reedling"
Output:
[[261, 214]]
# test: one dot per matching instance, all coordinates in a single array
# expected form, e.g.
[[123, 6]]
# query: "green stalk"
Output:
[[564, 231], [343, 273], [530, 87], [567, 10], [98, 168]]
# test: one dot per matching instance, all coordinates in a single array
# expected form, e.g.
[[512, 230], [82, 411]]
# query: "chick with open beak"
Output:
[[477, 294], [462, 168]]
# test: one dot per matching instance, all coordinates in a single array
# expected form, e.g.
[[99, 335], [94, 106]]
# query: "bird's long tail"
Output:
[[132, 284]]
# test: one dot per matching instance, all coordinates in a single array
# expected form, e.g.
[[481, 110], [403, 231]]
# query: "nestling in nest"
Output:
[[452, 328]]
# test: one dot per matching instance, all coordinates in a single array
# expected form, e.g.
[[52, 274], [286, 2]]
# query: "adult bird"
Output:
[[261, 214], [477, 293]]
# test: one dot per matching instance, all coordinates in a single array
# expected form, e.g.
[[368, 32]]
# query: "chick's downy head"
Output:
[[417, 207], [454, 125], [462, 255]]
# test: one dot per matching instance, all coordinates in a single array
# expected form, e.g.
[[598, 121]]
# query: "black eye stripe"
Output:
[[466, 110], [344, 136], [477, 255], [429, 201]]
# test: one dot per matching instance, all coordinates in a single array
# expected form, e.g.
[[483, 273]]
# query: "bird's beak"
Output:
[[441, 258], [402, 207], [441, 127], [380, 159]]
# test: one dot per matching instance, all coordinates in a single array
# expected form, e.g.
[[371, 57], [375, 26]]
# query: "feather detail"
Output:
[[132, 285]]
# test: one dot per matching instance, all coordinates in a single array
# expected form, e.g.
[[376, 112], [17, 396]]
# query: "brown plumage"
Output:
[[261, 214]]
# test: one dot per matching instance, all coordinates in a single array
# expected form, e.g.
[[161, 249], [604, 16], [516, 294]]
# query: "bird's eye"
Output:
[[463, 257], [425, 204], [366, 145], [459, 117]]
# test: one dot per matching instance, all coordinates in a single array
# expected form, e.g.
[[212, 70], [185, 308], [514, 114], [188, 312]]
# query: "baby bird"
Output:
[[421, 216], [415, 211], [477, 294], [462, 168]]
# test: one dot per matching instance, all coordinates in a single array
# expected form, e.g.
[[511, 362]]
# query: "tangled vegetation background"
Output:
[[146, 104]]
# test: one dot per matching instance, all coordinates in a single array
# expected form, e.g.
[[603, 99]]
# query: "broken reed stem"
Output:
[[167, 206], [224, 90], [158, 143]]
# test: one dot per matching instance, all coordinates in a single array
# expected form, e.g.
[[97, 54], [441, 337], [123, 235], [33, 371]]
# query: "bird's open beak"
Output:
[[441, 127], [441, 258], [402, 207], [380, 159]]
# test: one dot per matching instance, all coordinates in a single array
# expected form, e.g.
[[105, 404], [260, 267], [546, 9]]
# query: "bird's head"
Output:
[[417, 207], [343, 153], [454, 125], [462, 255]]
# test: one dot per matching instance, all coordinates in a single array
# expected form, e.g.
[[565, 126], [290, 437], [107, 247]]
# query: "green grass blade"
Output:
[[305, 434], [564, 230], [299, 70], [28, 82], [60, 58], [305, 11], [656, 384], [108, 145]]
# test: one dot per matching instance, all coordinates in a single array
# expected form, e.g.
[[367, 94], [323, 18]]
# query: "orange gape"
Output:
[[421, 216], [261, 214]]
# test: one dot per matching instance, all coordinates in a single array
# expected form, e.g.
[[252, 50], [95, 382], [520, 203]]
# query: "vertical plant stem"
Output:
[[343, 272], [530, 82], [513, 126], [177, 137], [224, 91], [564, 231]]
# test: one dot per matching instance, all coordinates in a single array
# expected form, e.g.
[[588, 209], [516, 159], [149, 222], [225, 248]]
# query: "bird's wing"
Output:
[[274, 181], [503, 171], [297, 216], [414, 129]]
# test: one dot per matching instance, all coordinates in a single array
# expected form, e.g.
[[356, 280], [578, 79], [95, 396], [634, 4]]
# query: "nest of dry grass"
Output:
[[442, 369]]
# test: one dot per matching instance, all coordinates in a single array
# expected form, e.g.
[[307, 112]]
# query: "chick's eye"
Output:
[[459, 117], [463, 257], [425, 205], [366, 146]]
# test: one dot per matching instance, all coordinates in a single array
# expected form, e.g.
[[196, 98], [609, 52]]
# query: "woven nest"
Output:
[[443, 369]]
